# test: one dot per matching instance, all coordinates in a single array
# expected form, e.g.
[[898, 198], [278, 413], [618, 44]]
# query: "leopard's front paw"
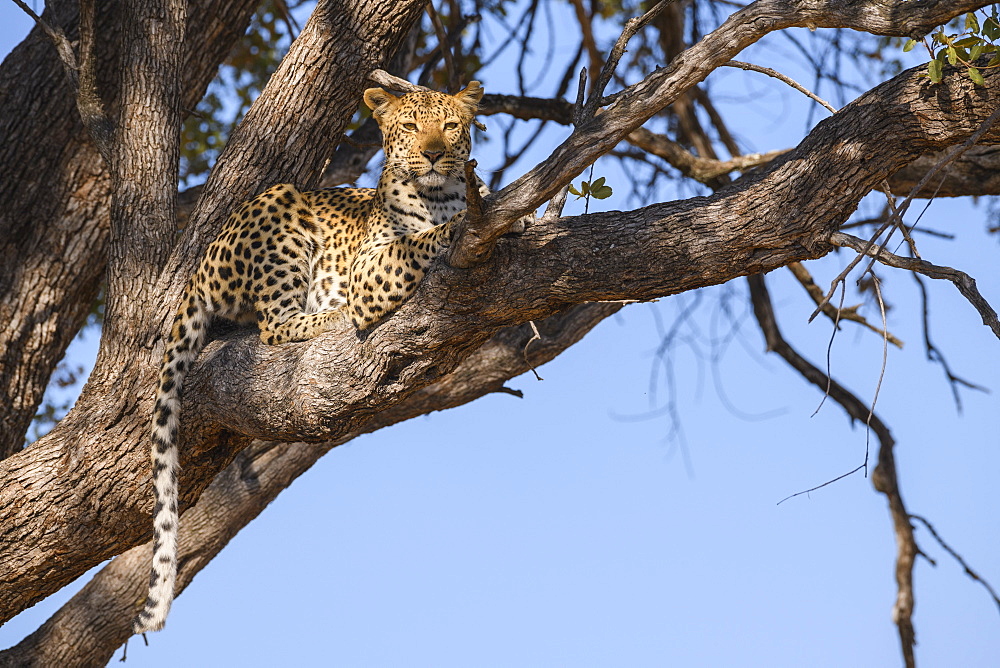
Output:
[[521, 224]]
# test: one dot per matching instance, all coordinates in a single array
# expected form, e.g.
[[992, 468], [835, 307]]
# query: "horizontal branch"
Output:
[[965, 283], [761, 222], [336, 384], [638, 103], [107, 604]]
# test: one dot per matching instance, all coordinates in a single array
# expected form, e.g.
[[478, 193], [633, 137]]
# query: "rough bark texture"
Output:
[[286, 136], [81, 494], [975, 173], [55, 194], [332, 386], [99, 616]]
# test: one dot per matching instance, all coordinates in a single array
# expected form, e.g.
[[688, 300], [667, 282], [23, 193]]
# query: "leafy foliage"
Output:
[[963, 43], [596, 189], [240, 81]]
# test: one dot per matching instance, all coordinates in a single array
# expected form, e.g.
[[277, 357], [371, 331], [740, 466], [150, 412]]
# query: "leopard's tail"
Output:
[[187, 338]]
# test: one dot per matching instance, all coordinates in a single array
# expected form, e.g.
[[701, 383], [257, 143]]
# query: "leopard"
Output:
[[301, 263]]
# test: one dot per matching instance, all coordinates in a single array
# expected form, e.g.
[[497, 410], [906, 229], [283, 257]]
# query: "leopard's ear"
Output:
[[470, 96], [380, 101]]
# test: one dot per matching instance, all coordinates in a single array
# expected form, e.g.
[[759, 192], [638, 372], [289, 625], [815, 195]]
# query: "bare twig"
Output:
[[935, 355], [857, 468], [632, 26], [885, 357], [805, 279], [781, 77], [442, 38], [965, 283], [965, 566], [535, 336]]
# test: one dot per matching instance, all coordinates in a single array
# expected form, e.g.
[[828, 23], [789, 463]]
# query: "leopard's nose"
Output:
[[433, 155]]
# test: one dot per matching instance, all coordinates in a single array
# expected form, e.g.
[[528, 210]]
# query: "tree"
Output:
[[78, 495]]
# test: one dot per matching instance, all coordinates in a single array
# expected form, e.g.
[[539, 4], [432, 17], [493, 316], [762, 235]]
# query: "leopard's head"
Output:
[[426, 135]]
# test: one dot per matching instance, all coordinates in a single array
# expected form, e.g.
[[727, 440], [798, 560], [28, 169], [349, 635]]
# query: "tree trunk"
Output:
[[55, 194]]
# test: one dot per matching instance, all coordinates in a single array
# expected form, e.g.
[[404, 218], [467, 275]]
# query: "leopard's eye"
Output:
[[412, 127], [450, 126]]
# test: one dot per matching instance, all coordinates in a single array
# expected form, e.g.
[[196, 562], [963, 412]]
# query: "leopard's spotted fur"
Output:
[[299, 262]]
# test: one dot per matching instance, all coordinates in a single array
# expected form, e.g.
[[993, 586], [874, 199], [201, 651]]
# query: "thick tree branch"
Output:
[[327, 388], [144, 182], [107, 604], [639, 102], [332, 386], [54, 231], [975, 173], [285, 135]]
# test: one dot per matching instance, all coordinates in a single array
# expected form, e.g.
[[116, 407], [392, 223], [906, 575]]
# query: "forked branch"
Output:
[[965, 283], [81, 76]]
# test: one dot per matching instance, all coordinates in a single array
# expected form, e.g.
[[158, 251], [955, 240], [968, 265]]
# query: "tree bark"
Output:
[[55, 194], [98, 618], [81, 494], [332, 386], [286, 137]]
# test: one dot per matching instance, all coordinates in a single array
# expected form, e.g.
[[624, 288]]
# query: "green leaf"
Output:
[[971, 22], [910, 43], [934, 70], [574, 191], [994, 61], [602, 192], [991, 28], [598, 182], [976, 77], [952, 56], [976, 51]]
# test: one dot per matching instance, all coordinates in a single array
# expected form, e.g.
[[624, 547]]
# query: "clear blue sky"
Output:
[[552, 531]]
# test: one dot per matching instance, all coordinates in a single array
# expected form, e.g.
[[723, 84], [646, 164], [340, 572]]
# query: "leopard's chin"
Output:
[[431, 179]]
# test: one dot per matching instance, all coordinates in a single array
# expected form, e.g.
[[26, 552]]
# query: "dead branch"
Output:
[[934, 354], [783, 78], [81, 77], [965, 283], [884, 476], [835, 314], [957, 557], [696, 167]]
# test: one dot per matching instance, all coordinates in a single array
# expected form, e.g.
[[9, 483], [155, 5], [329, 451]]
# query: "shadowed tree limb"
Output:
[[965, 283], [100, 615], [883, 477]]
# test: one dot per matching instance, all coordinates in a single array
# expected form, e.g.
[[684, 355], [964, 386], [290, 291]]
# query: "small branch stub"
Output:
[[471, 244]]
